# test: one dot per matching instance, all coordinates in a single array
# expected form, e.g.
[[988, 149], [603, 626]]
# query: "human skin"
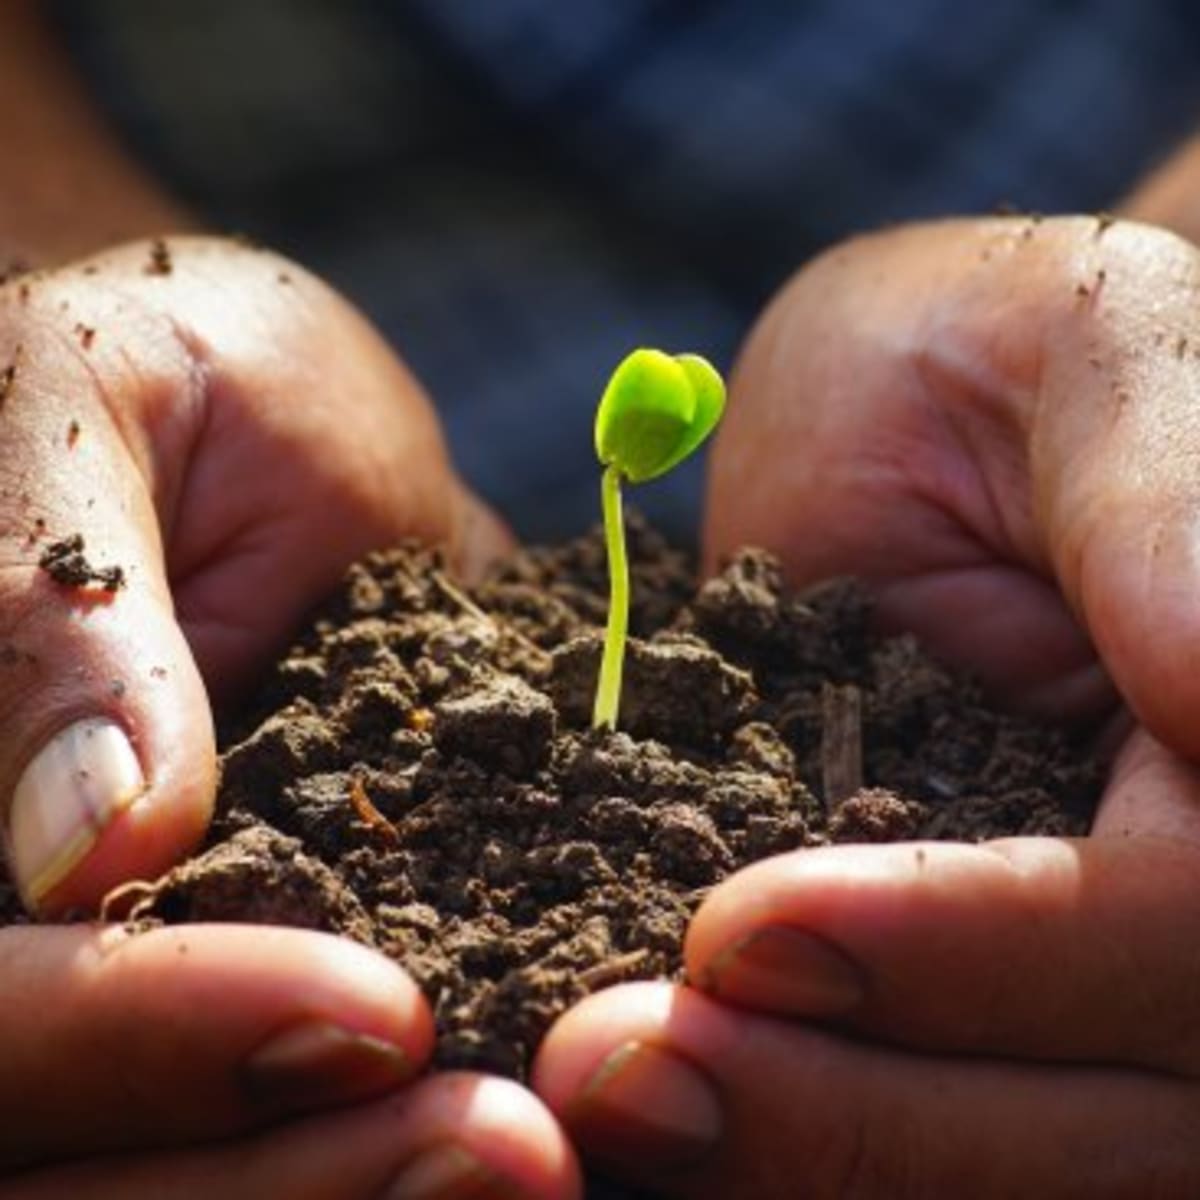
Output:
[[98, 1024], [993, 423]]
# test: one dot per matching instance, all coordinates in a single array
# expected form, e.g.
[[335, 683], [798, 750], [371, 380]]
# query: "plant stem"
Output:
[[608, 689]]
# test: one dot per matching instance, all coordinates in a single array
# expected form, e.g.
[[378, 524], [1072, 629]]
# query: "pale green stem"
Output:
[[608, 689]]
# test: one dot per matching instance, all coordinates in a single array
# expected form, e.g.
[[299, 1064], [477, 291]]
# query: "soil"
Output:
[[66, 562], [418, 772]]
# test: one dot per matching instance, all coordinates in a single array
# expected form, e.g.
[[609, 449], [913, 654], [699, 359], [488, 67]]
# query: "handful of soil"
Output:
[[418, 772]]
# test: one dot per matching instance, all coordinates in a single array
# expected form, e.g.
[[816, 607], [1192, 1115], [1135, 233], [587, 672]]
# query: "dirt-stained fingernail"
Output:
[[646, 1106], [785, 970], [316, 1064], [446, 1171]]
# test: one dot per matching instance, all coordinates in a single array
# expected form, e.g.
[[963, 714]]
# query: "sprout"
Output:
[[656, 410]]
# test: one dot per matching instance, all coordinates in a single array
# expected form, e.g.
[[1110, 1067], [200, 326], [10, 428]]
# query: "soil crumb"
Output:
[[67, 564]]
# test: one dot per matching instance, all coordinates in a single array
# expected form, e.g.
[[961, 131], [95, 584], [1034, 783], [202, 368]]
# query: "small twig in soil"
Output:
[[841, 742], [505, 629], [459, 597], [616, 970], [367, 811]]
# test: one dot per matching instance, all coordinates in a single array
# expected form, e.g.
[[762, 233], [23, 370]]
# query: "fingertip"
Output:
[[581, 1038], [484, 1131], [386, 1001], [638, 1074], [245, 985], [815, 933]]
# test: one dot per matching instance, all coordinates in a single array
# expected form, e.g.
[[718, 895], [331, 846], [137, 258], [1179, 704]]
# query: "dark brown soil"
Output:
[[418, 773], [66, 562]]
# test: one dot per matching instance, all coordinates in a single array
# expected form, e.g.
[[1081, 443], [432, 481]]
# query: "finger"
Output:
[[111, 1040], [451, 1136], [974, 416], [106, 765], [695, 1099], [1068, 950]]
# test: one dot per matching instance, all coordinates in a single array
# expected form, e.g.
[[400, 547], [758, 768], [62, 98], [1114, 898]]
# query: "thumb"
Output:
[[107, 767]]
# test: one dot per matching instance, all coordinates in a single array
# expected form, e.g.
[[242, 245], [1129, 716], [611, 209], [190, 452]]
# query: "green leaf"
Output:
[[655, 411]]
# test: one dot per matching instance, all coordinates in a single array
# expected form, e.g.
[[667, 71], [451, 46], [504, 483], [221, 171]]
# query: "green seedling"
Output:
[[655, 411]]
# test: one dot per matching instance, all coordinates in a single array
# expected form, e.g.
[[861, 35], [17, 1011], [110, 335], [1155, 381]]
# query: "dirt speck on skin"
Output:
[[13, 656], [8, 377], [14, 268], [67, 564], [160, 259], [37, 532]]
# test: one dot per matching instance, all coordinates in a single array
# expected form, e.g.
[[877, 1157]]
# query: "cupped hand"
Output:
[[195, 440], [993, 423]]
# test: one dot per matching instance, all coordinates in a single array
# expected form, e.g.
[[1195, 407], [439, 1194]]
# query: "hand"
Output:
[[995, 424], [225, 431]]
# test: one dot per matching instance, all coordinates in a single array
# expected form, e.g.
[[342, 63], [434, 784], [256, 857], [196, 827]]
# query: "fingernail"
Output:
[[647, 1106], [787, 971], [316, 1064], [448, 1172], [66, 797]]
